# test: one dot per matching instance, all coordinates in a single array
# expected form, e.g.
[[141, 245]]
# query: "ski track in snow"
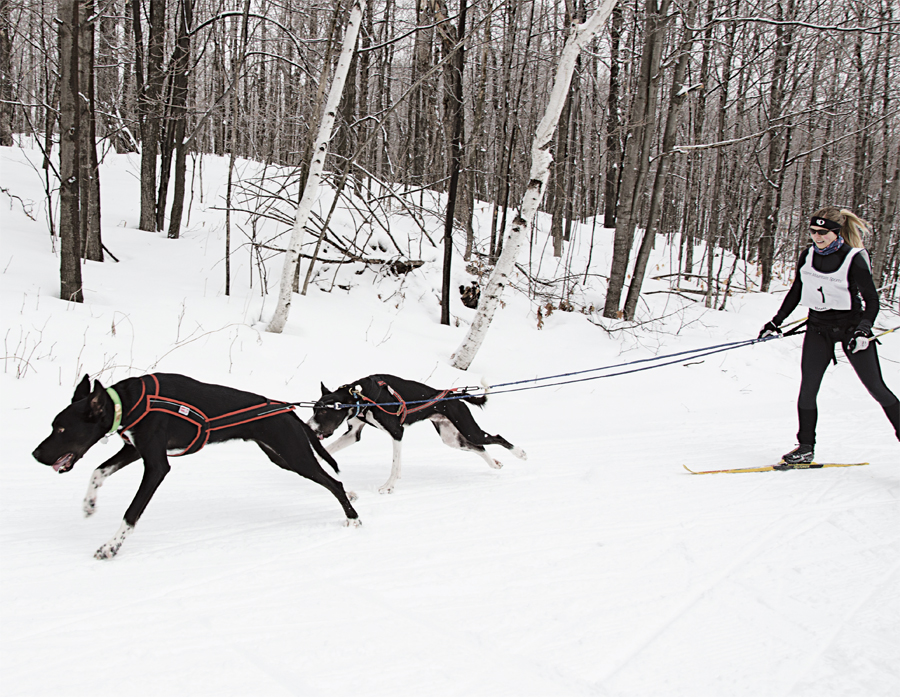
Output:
[[596, 567]]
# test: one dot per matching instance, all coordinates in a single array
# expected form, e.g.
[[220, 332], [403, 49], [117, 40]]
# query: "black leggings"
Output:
[[818, 351]]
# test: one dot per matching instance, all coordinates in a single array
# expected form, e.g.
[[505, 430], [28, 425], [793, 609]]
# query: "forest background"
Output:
[[728, 122]]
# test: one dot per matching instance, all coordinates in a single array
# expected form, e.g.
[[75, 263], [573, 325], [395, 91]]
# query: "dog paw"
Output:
[[107, 551], [497, 464], [111, 548], [519, 453], [386, 489], [353, 523]]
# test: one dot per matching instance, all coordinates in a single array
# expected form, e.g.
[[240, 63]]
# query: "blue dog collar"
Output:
[[117, 407]]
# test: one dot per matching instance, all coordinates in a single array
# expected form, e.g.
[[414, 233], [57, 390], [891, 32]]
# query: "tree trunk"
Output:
[[559, 188], [777, 147], [679, 94], [89, 181], [887, 223], [451, 42], [310, 191], [613, 136], [540, 171], [716, 204], [69, 146], [181, 66], [637, 153], [235, 79], [6, 77], [149, 96], [508, 126]]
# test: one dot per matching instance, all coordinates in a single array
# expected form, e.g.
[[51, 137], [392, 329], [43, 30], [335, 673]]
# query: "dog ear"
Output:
[[83, 389], [325, 390], [98, 403]]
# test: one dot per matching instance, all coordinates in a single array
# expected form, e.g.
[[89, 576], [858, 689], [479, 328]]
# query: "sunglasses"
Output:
[[821, 233]]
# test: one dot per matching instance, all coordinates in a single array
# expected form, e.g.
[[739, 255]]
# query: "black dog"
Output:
[[159, 415], [391, 404]]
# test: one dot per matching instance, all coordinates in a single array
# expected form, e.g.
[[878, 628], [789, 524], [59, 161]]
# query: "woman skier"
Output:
[[834, 281]]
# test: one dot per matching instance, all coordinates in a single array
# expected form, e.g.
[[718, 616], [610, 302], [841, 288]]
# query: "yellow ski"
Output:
[[781, 467]]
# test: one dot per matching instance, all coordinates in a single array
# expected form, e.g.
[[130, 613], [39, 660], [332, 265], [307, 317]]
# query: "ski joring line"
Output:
[[573, 377]]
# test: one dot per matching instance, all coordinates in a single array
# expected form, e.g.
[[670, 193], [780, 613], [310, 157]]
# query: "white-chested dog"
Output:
[[391, 404]]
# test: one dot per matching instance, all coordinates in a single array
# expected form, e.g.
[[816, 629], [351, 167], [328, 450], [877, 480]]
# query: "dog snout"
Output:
[[42, 455], [314, 424]]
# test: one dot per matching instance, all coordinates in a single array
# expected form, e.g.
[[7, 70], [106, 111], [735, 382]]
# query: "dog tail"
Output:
[[479, 400]]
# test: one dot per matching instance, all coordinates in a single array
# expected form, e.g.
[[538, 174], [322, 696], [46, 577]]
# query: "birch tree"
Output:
[[316, 166], [541, 160]]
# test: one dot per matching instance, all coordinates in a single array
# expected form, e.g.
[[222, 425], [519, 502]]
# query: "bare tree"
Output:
[[70, 232], [6, 77], [676, 99], [540, 171], [178, 109], [452, 47], [613, 136], [310, 191], [149, 97], [637, 152], [777, 149]]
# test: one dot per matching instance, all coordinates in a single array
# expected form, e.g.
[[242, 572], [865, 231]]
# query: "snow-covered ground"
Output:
[[596, 567]]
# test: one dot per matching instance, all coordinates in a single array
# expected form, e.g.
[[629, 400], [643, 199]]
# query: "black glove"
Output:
[[770, 329], [861, 338]]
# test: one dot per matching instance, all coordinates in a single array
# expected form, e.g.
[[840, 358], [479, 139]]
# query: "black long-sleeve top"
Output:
[[864, 297]]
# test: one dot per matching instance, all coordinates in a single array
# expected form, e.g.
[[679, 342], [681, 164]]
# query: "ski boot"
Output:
[[801, 455]]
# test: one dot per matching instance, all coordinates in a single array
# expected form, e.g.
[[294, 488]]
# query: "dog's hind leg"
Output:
[[124, 457], [458, 429], [337, 489], [465, 423], [451, 436], [300, 457]]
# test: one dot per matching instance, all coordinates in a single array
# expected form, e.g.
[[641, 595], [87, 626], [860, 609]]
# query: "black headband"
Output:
[[825, 223]]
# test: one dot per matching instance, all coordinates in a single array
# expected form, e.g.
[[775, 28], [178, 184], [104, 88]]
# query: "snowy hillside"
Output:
[[596, 567]]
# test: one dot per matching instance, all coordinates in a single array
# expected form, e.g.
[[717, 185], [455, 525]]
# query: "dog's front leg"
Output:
[[351, 436], [156, 467], [125, 456], [388, 486]]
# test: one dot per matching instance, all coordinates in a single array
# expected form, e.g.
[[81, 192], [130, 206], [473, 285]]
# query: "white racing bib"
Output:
[[827, 291]]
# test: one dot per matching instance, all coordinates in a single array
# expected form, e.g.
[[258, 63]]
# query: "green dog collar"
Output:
[[117, 404]]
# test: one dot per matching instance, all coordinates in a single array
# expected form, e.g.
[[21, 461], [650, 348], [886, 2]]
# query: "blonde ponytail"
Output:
[[852, 228]]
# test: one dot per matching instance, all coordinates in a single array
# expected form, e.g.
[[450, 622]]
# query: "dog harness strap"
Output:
[[187, 413], [248, 414], [403, 411], [141, 406], [437, 399], [151, 401]]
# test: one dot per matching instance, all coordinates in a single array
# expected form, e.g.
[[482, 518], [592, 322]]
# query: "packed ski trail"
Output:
[[596, 567]]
